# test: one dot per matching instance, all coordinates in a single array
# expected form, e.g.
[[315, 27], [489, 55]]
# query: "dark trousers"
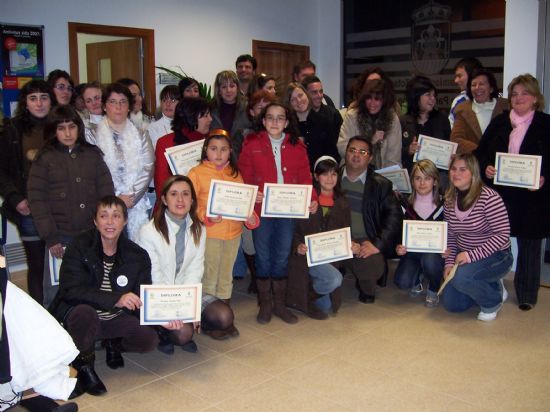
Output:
[[527, 278], [367, 271], [85, 327]]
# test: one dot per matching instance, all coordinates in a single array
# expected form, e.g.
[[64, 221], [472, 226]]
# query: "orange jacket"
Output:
[[201, 176]]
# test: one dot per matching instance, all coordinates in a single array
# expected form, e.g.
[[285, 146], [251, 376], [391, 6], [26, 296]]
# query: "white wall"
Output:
[[521, 39], [202, 36]]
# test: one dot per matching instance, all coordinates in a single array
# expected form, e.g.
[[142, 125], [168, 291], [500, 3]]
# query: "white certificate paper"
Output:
[[231, 200], [399, 178], [326, 247], [424, 237], [517, 170], [55, 265], [437, 150], [290, 201], [163, 303], [184, 157]]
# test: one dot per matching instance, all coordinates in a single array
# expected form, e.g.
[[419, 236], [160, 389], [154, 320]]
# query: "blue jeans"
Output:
[[412, 264], [273, 241], [240, 267], [27, 229], [478, 283], [325, 278]]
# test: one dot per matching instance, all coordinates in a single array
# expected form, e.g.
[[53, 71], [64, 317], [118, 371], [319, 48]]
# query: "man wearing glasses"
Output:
[[375, 217]]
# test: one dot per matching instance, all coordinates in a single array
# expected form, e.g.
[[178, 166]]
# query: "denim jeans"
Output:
[[240, 267], [412, 264], [325, 278], [273, 241], [478, 283], [27, 229]]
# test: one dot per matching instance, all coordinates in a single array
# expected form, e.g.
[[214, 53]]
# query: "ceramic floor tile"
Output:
[[276, 396], [275, 355], [159, 395], [218, 378], [163, 365], [247, 335]]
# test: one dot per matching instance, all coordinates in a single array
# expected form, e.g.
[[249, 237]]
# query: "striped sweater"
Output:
[[484, 230]]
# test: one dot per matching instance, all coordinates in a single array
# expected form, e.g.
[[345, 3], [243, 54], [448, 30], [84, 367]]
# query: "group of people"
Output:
[[85, 178]]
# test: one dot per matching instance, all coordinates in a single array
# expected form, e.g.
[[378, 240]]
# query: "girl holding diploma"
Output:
[[318, 288], [274, 155], [424, 203], [524, 130], [478, 242], [223, 236], [175, 240]]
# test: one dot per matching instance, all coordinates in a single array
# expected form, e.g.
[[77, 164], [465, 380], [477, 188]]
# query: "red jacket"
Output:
[[162, 170], [257, 163]]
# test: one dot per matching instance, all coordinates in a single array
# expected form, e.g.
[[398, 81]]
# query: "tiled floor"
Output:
[[395, 355]]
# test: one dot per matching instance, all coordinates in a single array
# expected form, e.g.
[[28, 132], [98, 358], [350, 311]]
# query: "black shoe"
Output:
[[525, 306], [114, 358], [166, 348], [90, 382], [364, 298], [77, 391], [190, 347]]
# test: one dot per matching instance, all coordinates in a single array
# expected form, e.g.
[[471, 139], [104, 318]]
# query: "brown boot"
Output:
[[336, 299], [313, 310], [252, 288], [264, 300], [279, 302]]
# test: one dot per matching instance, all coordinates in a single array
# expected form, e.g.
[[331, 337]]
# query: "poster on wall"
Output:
[[21, 59]]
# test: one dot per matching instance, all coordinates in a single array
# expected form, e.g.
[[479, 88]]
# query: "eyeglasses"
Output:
[[62, 88], [170, 100], [114, 102], [362, 152], [275, 119]]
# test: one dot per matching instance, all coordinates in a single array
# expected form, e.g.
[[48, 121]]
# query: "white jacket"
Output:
[[163, 255]]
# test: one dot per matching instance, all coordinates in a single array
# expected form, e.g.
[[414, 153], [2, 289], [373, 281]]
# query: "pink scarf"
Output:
[[520, 125]]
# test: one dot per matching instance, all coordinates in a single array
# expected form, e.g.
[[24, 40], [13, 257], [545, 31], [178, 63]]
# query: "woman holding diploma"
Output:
[[175, 240], [98, 296], [223, 236], [191, 123], [274, 155], [424, 204], [525, 130], [478, 242], [318, 288]]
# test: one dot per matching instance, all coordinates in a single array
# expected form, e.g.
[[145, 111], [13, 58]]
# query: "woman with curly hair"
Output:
[[375, 118]]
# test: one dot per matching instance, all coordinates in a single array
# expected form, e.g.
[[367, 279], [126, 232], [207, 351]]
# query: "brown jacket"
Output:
[[298, 275], [466, 131], [63, 189]]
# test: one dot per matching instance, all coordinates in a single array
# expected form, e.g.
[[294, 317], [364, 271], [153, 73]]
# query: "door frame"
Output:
[[148, 39]]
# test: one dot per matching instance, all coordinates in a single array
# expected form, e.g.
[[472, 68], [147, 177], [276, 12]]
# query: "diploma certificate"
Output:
[[184, 157], [55, 265], [399, 178], [437, 150], [163, 303], [231, 200], [290, 201], [328, 247], [425, 237], [517, 170]]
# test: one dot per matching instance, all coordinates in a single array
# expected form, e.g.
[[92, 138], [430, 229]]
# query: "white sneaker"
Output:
[[504, 291], [416, 290], [488, 316]]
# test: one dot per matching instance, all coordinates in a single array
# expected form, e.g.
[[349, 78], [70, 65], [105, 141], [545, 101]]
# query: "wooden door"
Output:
[[112, 60], [278, 59]]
